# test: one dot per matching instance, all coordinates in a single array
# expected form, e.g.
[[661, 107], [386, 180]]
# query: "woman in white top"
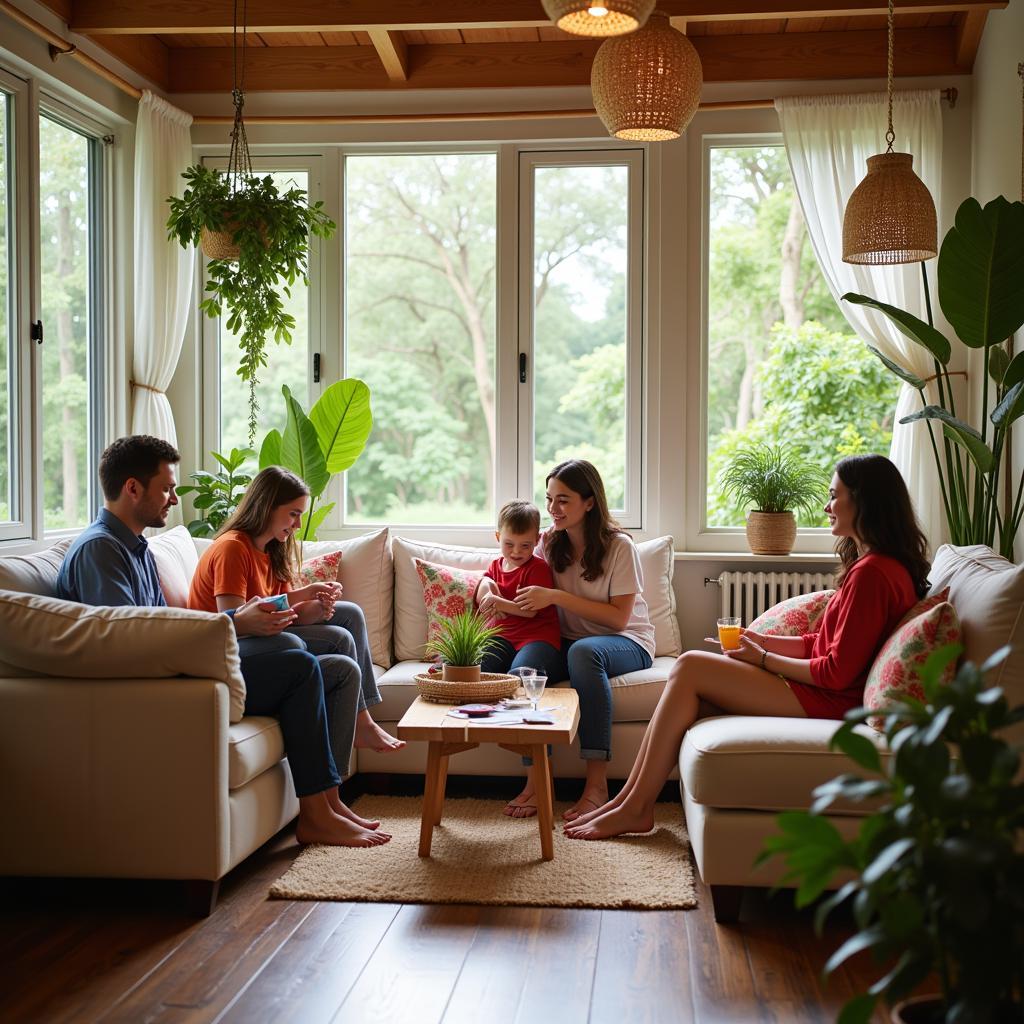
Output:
[[606, 630]]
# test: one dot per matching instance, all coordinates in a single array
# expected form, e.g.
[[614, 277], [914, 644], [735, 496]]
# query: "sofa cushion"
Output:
[[254, 745], [656, 563], [36, 573], [176, 557], [764, 764], [62, 638], [447, 592], [324, 568], [988, 594], [795, 616]]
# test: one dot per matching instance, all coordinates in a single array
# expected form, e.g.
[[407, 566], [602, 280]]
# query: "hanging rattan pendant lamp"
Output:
[[890, 216], [646, 86], [599, 18]]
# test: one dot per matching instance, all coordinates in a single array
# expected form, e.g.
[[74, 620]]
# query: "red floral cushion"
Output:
[[447, 591], [322, 569], [895, 673], [794, 616]]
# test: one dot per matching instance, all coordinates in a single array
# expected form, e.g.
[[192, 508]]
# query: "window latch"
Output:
[[522, 367], [316, 367], [36, 332]]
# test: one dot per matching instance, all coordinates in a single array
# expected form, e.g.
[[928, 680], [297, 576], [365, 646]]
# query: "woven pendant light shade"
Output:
[[647, 85], [890, 217], [609, 17]]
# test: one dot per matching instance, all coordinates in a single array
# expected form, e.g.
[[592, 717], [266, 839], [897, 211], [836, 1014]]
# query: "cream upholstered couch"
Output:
[[123, 748], [738, 772]]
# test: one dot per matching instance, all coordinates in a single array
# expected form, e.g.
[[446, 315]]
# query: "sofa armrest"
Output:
[[114, 777]]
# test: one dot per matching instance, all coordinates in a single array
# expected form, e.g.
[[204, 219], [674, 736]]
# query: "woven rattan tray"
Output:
[[492, 686]]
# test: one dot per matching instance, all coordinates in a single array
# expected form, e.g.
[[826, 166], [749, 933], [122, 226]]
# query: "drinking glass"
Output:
[[534, 686], [729, 633], [523, 672]]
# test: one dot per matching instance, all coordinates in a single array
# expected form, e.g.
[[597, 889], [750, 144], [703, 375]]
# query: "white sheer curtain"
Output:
[[828, 139], [163, 269]]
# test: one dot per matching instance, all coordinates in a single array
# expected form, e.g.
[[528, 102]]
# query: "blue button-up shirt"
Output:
[[108, 564]]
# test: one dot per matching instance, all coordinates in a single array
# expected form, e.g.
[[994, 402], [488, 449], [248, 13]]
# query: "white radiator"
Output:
[[747, 594]]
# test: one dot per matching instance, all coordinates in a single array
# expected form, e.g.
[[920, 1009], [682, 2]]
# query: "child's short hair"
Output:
[[519, 517]]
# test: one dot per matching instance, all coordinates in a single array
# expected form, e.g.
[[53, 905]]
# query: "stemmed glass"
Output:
[[523, 672], [534, 686]]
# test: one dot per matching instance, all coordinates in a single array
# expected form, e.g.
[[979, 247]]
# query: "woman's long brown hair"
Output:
[[884, 519], [271, 488], [598, 526]]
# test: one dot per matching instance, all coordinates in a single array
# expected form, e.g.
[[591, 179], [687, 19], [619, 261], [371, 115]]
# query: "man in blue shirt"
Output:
[[110, 564]]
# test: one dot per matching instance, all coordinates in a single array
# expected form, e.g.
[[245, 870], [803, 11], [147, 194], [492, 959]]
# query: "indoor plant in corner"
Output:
[[461, 643], [938, 887], [773, 481]]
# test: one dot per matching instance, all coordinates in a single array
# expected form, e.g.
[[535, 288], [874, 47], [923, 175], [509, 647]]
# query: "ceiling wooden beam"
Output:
[[144, 54], [142, 17], [970, 26], [393, 53], [799, 56]]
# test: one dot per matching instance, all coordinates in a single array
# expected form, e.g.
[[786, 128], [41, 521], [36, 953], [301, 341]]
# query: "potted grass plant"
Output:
[[938, 887], [462, 642], [773, 482]]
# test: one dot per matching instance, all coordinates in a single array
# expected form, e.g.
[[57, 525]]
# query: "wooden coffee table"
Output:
[[446, 735]]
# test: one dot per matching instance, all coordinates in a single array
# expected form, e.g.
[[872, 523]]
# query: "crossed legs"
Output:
[[733, 686]]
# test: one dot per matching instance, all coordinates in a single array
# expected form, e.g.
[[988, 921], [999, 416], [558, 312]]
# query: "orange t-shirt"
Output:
[[231, 565]]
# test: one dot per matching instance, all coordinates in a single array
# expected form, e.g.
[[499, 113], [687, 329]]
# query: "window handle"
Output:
[[316, 367], [36, 332], [522, 367]]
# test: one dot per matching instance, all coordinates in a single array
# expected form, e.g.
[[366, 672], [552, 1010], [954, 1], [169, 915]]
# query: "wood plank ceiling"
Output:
[[184, 46]]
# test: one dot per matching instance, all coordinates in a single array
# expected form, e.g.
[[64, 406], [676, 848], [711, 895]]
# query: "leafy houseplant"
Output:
[[218, 494], [981, 266], [271, 231], [773, 481], [939, 866], [462, 642]]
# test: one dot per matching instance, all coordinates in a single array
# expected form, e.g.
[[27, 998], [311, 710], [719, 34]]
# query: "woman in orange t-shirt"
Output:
[[884, 571]]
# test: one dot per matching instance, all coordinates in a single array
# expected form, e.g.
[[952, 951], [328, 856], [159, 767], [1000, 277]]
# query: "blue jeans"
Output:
[[538, 654], [592, 660], [288, 685]]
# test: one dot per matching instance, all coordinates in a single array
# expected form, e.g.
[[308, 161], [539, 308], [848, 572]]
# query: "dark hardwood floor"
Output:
[[87, 950]]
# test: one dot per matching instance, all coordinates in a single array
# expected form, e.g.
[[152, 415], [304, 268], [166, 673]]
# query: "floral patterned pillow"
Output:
[[322, 569], [896, 671], [447, 591], [794, 616]]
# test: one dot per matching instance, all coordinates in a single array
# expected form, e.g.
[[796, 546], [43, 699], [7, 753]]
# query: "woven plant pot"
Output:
[[491, 686], [220, 245], [771, 533]]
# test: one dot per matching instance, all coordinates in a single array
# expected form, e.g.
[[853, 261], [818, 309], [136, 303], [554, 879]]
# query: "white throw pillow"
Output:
[[36, 573], [78, 641], [176, 557], [657, 560]]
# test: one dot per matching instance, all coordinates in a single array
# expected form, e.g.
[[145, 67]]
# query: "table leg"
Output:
[[442, 781], [429, 797], [545, 812]]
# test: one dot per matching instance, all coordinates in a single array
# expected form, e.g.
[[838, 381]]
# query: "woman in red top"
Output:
[[883, 572]]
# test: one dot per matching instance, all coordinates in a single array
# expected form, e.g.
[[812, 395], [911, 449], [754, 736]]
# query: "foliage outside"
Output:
[[218, 494], [981, 266], [939, 886], [271, 230], [464, 639], [774, 478]]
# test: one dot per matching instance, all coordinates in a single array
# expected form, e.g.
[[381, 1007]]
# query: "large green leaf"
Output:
[[312, 523], [981, 266], [1010, 407], [962, 433], [343, 422], [300, 448], [1015, 371], [909, 325], [905, 375], [270, 450]]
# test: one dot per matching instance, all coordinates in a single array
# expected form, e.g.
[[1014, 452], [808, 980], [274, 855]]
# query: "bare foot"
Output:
[[370, 735], [524, 805], [615, 823], [582, 819], [341, 808], [338, 831], [590, 801]]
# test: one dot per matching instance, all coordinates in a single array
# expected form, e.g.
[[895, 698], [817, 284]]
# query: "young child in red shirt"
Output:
[[528, 639]]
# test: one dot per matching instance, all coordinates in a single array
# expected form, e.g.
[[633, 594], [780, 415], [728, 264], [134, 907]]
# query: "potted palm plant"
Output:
[[773, 482], [938, 886], [461, 643]]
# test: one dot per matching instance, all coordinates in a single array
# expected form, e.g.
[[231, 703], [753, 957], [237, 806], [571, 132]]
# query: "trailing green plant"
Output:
[[774, 478], [271, 229], [464, 639], [217, 494], [939, 865], [981, 267]]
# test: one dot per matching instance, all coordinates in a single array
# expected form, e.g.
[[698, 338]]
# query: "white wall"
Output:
[[996, 153]]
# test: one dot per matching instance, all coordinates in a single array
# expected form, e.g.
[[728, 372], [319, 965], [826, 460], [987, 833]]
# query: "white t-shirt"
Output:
[[622, 575]]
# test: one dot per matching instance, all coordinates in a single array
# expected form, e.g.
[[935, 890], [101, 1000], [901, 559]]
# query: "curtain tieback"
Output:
[[146, 387], [949, 373]]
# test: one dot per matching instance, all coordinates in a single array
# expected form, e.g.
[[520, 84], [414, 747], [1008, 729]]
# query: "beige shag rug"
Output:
[[480, 856]]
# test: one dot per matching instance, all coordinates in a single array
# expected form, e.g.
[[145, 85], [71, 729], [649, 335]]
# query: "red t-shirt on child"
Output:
[[517, 629]]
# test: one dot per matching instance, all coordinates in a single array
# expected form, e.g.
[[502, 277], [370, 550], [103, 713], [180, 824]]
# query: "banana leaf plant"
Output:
[[319, 446], [981, 293]]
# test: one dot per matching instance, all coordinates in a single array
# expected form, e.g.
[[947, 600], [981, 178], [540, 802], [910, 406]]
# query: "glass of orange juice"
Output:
[[729, 633]]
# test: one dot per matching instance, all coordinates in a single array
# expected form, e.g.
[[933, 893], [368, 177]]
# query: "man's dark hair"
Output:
[[137, 457]]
